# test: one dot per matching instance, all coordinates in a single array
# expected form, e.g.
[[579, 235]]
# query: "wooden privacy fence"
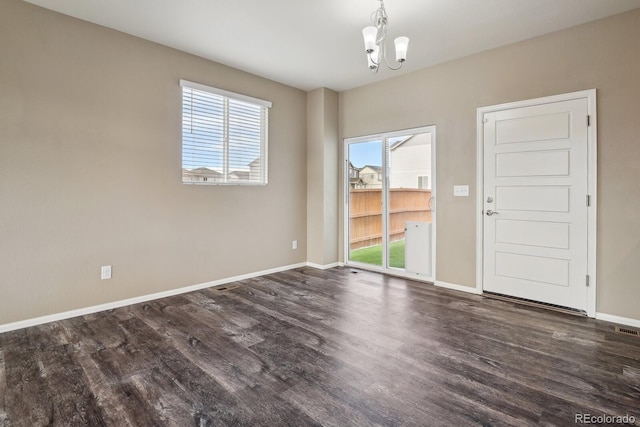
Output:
[[365, 214]]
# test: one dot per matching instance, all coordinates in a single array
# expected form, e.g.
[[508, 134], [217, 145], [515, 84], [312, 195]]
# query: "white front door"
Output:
[[535, 222]]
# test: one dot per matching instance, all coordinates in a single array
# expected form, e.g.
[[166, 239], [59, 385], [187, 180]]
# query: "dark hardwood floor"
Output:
[[341, 347]]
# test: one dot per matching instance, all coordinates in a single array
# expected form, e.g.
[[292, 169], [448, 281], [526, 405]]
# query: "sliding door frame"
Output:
[[385, 202]]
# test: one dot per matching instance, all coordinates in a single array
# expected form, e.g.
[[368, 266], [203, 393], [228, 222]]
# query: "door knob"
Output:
[[490, 212]]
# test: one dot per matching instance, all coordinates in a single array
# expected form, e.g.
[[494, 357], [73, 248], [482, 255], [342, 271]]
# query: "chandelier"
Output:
[[375, 44]]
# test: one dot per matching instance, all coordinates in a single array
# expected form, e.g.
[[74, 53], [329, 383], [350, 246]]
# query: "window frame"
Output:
[[264, 135]]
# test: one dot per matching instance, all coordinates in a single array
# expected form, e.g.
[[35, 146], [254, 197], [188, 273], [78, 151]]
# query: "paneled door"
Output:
[[536, 202]]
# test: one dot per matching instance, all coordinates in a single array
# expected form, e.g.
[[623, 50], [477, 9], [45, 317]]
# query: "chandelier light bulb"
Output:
[[402, 43], [369, 33]]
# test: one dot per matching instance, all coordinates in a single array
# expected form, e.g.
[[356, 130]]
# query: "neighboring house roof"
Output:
[[401, 141], [243, 175], [201, 171], [374, 168], [216, 171], [353, 167]]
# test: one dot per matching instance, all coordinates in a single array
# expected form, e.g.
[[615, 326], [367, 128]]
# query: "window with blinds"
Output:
[[224, 136]]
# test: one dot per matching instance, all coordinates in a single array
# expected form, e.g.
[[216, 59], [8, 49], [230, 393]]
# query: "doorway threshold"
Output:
[[387, 272], [538, 304]]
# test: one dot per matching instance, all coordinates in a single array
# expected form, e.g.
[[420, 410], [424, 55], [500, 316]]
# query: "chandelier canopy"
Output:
[[375, 41]]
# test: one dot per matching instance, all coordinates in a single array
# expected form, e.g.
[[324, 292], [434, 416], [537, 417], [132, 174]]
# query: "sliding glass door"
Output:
[[366, 202], [390, 200]]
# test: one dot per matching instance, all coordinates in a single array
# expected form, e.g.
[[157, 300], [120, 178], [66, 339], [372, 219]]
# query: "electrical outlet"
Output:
[[105, 272], [294, 244]]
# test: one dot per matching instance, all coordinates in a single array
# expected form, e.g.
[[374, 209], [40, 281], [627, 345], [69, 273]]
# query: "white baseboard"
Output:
[[461, 288], [136, 300], [617, 319], [323, 267]]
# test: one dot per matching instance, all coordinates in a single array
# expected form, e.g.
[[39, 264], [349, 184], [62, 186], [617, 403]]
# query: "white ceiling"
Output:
[[318, 43]]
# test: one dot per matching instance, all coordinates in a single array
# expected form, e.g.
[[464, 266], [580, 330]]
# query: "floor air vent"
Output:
[[628, 331]]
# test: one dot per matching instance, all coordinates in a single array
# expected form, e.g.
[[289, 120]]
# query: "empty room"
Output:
[[337, 213]]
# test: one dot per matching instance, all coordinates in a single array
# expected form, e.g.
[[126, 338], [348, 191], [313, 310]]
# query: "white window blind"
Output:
[[224, 136]]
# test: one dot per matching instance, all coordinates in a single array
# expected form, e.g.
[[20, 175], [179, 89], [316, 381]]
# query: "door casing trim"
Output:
[[592, 141]]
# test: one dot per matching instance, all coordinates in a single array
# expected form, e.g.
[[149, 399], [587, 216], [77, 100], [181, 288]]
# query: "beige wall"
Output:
[[322, 177], [604, 55], [90, 170]]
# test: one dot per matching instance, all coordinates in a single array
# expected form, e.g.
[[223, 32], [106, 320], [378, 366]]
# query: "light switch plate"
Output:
[[461, 190]]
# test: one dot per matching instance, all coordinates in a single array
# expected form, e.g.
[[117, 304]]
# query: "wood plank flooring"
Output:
[[341, 347]]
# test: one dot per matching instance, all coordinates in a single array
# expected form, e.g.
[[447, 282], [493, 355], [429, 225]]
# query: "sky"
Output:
[[366, 153], [370, 152]]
